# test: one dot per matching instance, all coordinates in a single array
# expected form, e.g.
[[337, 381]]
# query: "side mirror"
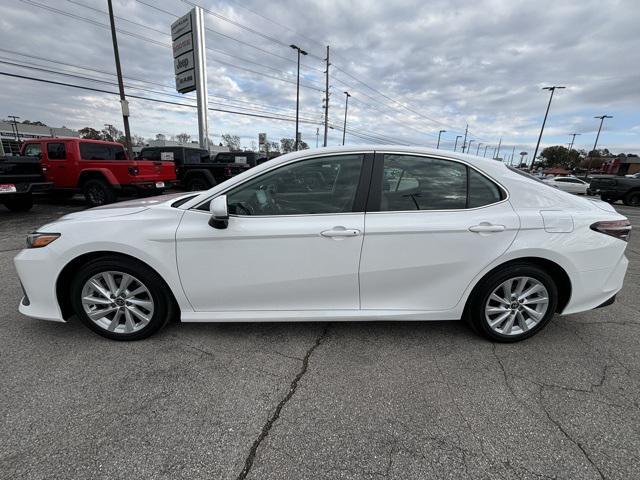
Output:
[[219, 212]]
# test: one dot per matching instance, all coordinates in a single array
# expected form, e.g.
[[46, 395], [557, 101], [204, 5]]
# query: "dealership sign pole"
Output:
[[190, 65]]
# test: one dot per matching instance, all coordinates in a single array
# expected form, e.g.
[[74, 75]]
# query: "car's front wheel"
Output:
[[120, 300], [513, 303]]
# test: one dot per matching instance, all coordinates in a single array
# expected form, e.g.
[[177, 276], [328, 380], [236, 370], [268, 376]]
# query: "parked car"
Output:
[[633, 175], [195, 170], [568, 184], [446, 237], [612, 189], [100, 170], [20, 178]]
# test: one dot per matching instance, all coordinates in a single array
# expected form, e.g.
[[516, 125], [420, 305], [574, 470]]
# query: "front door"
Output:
[[293, 240], [431, 226]]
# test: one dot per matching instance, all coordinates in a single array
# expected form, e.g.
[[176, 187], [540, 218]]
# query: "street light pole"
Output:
[[552, 89], [440, 133], [456, 144], [573, 138], [346, 105], [485, 150], [601, 117], [469, 145], [300, 52], [478, 149], [123, 100]]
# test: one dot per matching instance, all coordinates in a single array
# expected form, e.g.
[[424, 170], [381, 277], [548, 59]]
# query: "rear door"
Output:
[[57, 157], [432, 225]]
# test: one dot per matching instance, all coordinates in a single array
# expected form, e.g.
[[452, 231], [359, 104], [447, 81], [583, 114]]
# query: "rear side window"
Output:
[[32, 150], [482, 191], [422, 183], [56, 151], [99, 151]]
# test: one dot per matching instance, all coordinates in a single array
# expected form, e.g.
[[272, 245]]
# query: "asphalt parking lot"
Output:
[[322, 401]]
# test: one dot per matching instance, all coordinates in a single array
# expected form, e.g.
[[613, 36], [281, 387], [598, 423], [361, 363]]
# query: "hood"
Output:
[[128, 207]]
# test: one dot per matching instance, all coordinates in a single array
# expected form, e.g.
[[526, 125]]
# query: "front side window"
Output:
[[56, 151], [315, 186], [32, 150], [150, 154], [422, 183], [100, 151]]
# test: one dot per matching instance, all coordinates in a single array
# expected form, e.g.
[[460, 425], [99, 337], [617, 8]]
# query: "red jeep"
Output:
[[100, 170]]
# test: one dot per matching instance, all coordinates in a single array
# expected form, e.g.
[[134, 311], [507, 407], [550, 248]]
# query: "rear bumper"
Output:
[[28, 188], [596, 288], [153, 184]]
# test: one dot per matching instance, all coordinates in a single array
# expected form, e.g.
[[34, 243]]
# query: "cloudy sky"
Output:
[[412, 67]]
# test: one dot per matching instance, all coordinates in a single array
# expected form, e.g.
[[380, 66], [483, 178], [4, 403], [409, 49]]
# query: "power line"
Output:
[[156, 42]]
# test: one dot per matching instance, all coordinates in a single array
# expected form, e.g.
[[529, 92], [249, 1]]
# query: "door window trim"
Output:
[[375, 194], [359, 202]]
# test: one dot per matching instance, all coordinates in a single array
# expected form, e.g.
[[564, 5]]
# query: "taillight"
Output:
[[134, 171], [616, 228], [44, 169]]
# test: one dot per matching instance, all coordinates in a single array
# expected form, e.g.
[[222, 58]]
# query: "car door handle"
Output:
[[340, 232], [486, 227]]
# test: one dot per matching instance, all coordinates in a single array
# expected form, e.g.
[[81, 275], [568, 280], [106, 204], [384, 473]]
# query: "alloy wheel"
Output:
[[117, 302], [516, 306]]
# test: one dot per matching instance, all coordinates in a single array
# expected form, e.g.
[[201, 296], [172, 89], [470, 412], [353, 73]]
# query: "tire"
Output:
[[19, 204], [607, 199], [198, 183], [483, 308], [122, 322], [632, 199], [98, 192], [62, 195]]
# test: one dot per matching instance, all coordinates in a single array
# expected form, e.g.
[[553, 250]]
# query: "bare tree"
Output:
[[183, 138], [231, 141]]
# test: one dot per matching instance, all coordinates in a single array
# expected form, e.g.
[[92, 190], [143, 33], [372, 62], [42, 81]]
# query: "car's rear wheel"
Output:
[[513, 303], [120, 300], [632, 199], [98, 192], [19, 204]]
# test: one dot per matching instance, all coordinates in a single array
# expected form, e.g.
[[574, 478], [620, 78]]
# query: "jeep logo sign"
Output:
[[183, 62]]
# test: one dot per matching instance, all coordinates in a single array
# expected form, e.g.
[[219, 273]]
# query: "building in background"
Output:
[[10, 140]]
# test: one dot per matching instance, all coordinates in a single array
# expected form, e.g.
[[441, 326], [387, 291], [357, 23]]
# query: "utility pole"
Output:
[[317, 136], [123, 100], [535, 152], [326, 100], [478, 149], [440, 133], [464, 143], [498, 154], [346, 104], [469, 145], [456, 144], [573, 138], [15, 125], [485, 150], [300, 52]]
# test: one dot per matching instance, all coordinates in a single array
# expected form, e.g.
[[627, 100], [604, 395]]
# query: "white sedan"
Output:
[[358, 233], [569, 184]]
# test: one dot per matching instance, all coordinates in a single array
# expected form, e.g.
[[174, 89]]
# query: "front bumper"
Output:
[[38, 271]]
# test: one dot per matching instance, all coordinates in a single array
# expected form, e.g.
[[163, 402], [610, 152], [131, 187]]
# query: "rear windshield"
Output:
[[99, 151]]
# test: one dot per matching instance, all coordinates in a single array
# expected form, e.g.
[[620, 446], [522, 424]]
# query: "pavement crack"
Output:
[[569, 437], [248, 463]]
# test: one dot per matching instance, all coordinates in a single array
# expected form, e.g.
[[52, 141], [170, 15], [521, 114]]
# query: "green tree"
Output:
[[560, 156], [287, 145], [90, 133]]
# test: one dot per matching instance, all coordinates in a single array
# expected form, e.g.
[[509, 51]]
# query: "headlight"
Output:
[[39, 240]]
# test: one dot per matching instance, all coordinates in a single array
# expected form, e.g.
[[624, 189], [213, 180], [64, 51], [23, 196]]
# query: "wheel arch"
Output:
[[98, 174], [557, 272], [63, 283]]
